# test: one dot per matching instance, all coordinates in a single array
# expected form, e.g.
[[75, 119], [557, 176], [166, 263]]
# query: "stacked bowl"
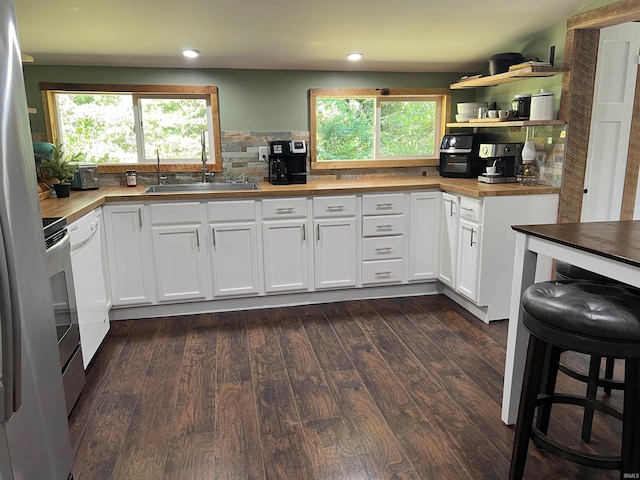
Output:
[[468, 110]]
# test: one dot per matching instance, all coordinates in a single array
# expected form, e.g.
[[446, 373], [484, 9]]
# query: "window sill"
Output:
[[371, 164], [152, 167]]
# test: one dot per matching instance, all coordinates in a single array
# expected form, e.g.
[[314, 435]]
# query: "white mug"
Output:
[[504, 113], [491, 170], [492, 114]]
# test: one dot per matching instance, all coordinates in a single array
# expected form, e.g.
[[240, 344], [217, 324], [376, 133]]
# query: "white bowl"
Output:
[[470, 108], [464, 118]]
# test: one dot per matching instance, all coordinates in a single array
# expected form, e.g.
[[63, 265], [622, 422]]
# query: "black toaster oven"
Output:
[[459, 155]]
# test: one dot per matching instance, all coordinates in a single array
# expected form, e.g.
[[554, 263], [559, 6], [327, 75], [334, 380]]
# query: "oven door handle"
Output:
[[10, 384]]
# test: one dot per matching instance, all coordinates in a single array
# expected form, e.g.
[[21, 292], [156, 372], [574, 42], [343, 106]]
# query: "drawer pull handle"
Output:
[[213, 232], [318, 232], [386, 227], [283, 210], [383, 249], [304, 232], [335, 208], [383, 273], [140, 218], [451, 214], [384, 206], [472, 234], [198, 239], [467, 209]]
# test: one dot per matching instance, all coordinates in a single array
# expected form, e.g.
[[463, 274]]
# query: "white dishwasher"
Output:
[[88, 279]]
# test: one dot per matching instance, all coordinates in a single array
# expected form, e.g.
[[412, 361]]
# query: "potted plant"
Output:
[[61, 169]]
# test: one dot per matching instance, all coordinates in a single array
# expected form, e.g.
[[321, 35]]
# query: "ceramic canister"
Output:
[[542, 106]]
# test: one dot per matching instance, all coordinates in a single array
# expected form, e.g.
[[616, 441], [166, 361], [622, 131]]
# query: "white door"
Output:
[[179, 262], [611, 122], [467, 273], [286, 261], [235, 259], [424, 235], [448, 239], [335, 250], [129, 253]]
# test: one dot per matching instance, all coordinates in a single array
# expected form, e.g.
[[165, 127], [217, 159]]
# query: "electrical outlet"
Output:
[[263, 153]]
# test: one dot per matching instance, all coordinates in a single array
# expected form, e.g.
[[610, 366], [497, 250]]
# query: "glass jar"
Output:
[[131, 178]]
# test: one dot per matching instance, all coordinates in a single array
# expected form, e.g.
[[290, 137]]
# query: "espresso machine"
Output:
[[287, 162], [505, 157]]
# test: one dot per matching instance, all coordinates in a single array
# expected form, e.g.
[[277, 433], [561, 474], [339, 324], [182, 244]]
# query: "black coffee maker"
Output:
[[287, 162]]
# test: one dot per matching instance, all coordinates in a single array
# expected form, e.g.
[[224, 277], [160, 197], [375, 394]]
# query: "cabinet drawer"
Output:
[[378, 248], [183, 212], [383, 204], [232, 211], [334, 206], [382, 225], [284, 208], [383, 271], [471, 208]]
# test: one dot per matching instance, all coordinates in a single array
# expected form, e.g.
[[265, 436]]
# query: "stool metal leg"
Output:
[[530, 387], [631, 421], [592, 388], [608, 372]]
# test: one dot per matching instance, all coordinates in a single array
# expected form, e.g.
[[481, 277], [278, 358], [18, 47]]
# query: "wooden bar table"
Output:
[[611, 249]]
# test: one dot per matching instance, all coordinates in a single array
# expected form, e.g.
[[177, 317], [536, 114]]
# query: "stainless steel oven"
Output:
[[58, 245]]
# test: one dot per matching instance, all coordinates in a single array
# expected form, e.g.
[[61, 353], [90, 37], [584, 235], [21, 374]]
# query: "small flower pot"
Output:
[[62, 189]]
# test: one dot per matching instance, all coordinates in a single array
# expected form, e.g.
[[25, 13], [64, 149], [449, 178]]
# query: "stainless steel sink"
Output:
[[201, 187]]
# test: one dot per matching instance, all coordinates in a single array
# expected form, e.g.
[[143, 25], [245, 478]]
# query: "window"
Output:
[[376, 127], [135, 124]]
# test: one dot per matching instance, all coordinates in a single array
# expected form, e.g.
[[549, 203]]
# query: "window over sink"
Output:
[[133, 124], [360, 128]]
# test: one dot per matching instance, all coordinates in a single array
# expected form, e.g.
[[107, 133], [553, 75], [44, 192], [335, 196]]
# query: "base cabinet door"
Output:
[[234, 261], [286, 255], [424, 235], [130, 259], [448, 239], [335, 244], [180, 262], [469, 248]]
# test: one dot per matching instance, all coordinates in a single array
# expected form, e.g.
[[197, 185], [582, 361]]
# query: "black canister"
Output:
[[521, 105]]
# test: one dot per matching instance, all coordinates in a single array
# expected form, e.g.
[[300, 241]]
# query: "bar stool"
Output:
[[566, 271], [592, 318]]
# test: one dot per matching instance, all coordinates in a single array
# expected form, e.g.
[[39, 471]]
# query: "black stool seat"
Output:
[[593, 318], [566, 271], [584, 316]]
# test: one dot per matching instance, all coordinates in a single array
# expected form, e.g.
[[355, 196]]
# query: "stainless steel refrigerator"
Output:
[[34, 437]]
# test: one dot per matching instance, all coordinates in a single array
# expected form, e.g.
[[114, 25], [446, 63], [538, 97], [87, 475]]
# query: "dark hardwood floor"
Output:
[[383, 389]]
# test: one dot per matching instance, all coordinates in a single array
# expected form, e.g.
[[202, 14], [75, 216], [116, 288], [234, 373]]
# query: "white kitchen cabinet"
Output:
[[335, 241], [285, 237], [130, 257], [383, 238], [234, 248], [469, 247], [179, 251], [424, 230], [448, 239], [335, 252]]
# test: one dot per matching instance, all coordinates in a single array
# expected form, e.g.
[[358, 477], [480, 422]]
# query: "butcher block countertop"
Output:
[[82, 202]]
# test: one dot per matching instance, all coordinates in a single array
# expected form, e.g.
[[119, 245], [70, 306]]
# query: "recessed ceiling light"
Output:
[[190, 52], [354, 57]]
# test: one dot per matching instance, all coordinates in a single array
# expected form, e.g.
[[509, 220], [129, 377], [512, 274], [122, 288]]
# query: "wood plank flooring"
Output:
[[406, 388]]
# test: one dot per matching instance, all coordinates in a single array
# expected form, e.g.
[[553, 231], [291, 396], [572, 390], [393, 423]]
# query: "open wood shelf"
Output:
[[511, 76], [515, 123]]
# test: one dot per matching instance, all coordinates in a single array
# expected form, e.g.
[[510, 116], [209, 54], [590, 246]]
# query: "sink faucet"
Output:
[[160, 177], [205, 174]]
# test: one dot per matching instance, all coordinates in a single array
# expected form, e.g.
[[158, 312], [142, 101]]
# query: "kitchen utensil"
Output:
[[542, 105], [504, 113], [492, 114], [491, 170], [470, 108], [521, 104], [482, 112], [501, 62]]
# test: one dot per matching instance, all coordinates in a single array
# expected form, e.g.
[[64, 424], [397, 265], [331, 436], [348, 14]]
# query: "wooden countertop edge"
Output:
[[80, 203]]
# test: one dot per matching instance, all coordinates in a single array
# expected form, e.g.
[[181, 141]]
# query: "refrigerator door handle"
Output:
[[10, 385]]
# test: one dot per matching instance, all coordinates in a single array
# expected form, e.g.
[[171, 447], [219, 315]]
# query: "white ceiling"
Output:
[[398, 35]]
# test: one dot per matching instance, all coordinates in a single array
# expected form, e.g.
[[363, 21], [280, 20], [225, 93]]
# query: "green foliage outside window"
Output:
[[346, 128]]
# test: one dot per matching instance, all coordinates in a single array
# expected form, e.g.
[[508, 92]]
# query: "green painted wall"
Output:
[[250, 100]]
